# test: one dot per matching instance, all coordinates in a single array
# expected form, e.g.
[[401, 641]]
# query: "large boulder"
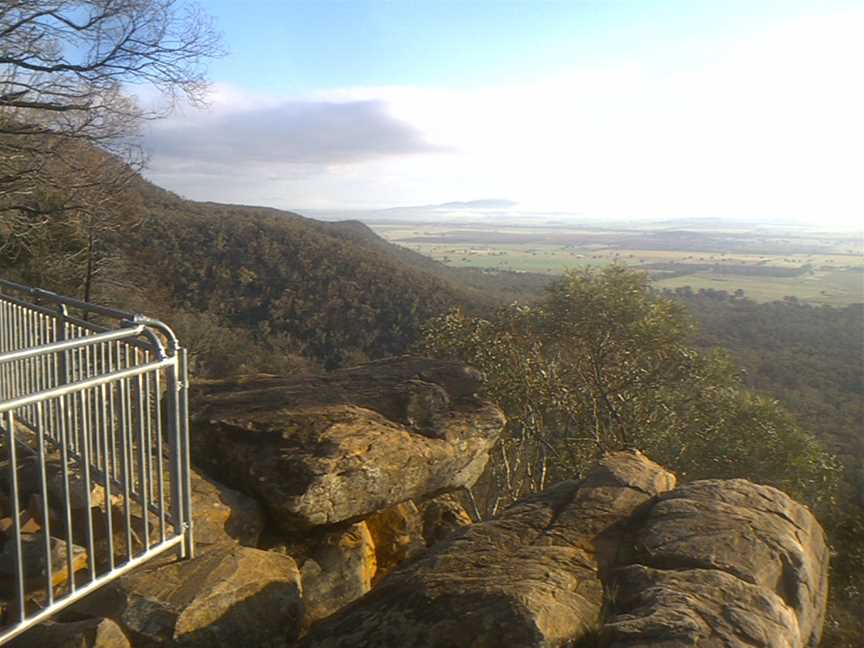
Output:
[[725, 563], [336, 448], [528, 578], [696, 607], [229, 596]]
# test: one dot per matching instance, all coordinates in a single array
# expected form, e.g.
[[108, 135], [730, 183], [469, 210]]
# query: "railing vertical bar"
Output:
[[142, 464], [16, 514], [19, 340], [148, 404], [124, 460], [95, 411], [65, 430], [85, 451], [174, 450], [43, 491], [113, 414], [130, 424], [160, 474], [109, 523], [186, 469], [3, 348]]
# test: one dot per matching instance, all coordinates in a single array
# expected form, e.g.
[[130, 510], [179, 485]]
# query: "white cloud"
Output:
[[770, 127]]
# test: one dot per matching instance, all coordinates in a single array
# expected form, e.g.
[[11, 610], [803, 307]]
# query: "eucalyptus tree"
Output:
[[603, 363]]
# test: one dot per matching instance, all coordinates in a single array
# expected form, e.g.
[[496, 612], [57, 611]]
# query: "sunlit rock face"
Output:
[[531, 577], [722, 563], [621, 559], [336, 448], [336, 531]]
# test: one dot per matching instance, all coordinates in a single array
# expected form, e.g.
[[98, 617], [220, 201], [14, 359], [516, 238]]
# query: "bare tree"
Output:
[[66, 71]]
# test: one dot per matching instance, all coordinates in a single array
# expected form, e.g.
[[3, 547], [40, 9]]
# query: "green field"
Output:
[[831, 270], [835, 288]]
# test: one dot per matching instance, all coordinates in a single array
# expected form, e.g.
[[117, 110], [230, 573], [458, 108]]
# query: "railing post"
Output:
[[186, 468], [172, 394]]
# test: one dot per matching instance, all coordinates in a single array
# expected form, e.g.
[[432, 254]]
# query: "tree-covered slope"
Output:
[[282, 275], [811, 358]]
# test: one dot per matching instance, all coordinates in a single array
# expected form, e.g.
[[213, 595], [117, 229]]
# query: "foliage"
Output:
[[808, 357], [277, 275], [603, 362]]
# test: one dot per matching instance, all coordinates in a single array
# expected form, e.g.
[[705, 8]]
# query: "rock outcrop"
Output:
[[621, 559], [337, 448], [725, 563], [531, 577], [344, 479]]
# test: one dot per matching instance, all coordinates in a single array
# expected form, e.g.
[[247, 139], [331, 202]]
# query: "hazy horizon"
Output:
[[620, 111]]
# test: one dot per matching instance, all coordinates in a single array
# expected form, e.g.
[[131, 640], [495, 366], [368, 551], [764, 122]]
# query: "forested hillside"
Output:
[[244, 281], [811, 358]]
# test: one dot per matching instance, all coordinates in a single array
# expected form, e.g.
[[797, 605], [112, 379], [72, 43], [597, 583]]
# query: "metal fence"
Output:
[[94, 450]]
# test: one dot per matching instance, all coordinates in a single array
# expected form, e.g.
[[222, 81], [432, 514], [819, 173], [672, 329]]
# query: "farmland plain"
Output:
[[818, 266]]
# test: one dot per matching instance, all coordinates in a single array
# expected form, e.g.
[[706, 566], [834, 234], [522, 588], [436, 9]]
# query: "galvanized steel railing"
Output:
[[95, 450]]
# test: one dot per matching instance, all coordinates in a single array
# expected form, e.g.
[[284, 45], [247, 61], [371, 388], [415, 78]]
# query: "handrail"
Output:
[[77, 343], [97, 405], [55, 298]]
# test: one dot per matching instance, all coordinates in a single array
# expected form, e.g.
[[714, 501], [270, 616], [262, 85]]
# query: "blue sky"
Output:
[[603, 108]]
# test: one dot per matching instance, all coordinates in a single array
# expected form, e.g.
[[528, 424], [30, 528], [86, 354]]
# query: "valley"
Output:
[[766, 263]]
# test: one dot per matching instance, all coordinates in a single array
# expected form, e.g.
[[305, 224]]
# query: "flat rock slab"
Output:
[[528, 578], [333, 449], [765, 551], [230, 596]]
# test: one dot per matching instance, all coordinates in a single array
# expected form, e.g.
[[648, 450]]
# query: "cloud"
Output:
[[289, 132], [769, 125]]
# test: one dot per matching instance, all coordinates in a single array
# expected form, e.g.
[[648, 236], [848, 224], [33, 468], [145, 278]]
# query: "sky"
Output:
[[601, 109]]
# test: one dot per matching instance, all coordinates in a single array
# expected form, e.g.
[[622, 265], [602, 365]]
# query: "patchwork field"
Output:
[[765, 263]]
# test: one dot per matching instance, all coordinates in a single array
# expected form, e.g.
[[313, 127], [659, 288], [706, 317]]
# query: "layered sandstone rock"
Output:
[[340, 447], [221, 514], [722, 563], [90, 633], [397, 533], [531, 577], [442, 517]]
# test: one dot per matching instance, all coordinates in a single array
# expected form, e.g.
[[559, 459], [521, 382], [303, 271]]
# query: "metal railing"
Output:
[[94, 450]]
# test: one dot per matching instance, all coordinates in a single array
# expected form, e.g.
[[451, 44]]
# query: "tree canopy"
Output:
[[604, 362]]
